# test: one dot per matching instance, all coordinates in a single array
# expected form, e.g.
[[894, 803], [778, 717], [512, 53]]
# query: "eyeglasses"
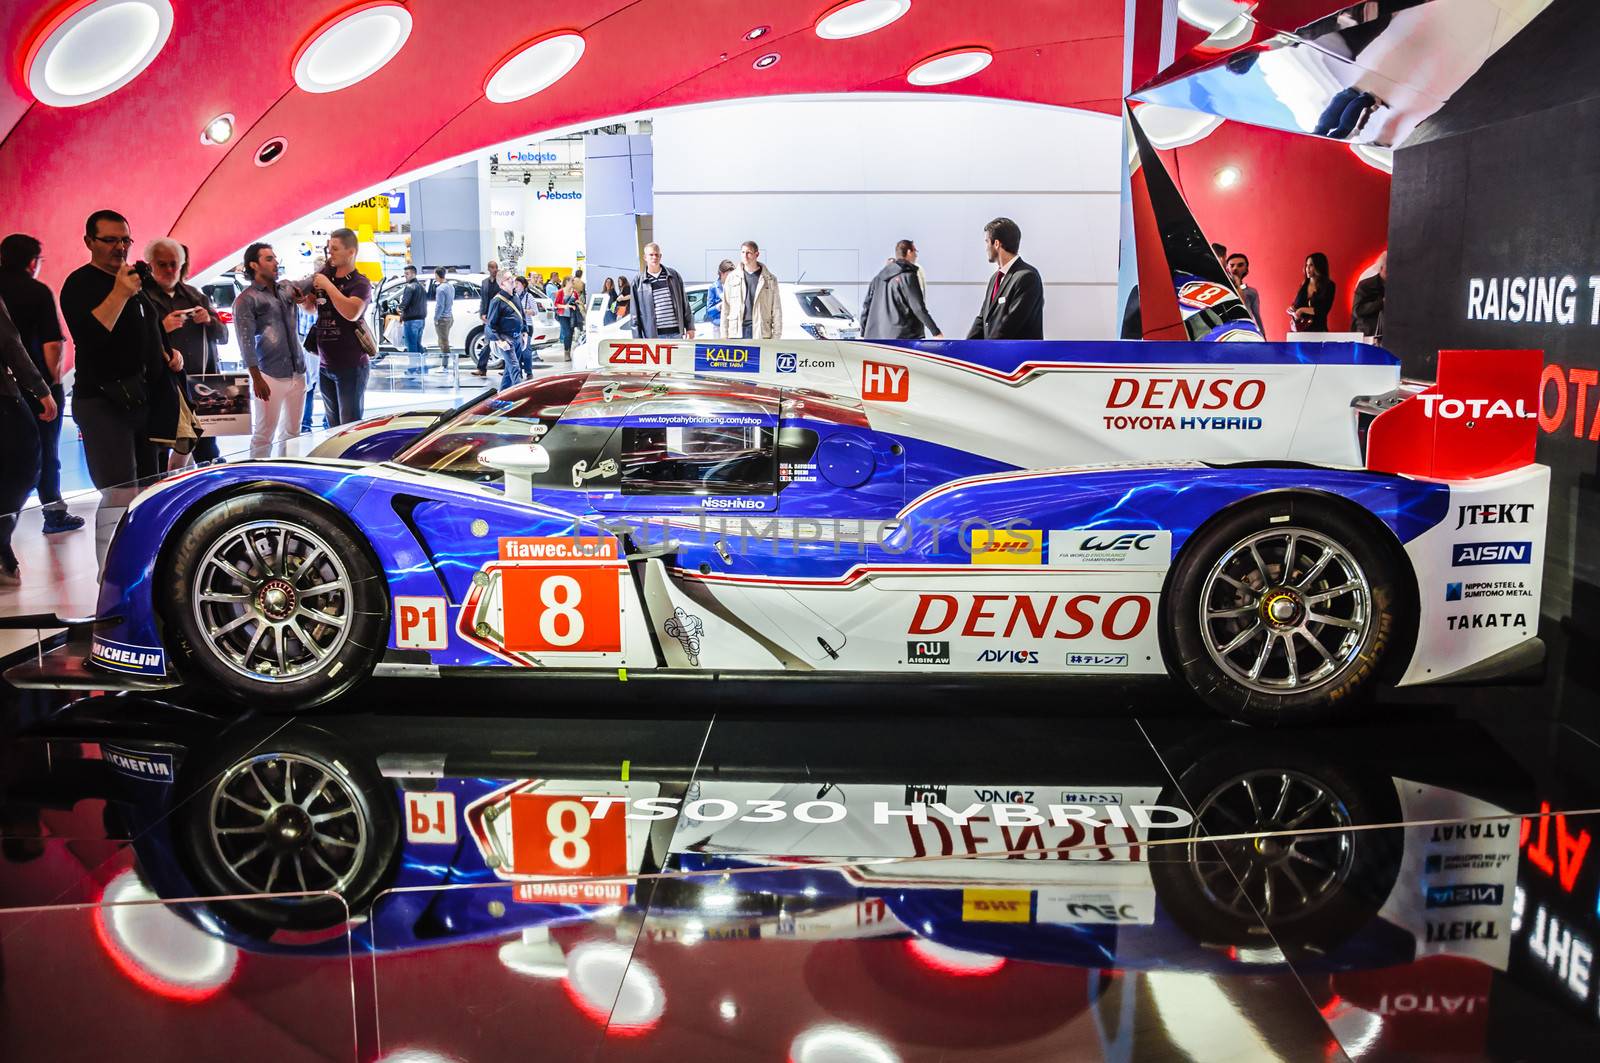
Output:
[[114, 241]]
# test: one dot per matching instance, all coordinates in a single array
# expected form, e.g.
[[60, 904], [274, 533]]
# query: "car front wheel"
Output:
[[276, 601], [477, 341], [1283, 611]]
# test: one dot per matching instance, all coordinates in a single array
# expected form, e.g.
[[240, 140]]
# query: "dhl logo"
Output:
[[996, 906], [999, 546]]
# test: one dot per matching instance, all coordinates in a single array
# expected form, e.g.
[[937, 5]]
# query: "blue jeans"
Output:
[[344, 392], [412, 331], [518, 362]]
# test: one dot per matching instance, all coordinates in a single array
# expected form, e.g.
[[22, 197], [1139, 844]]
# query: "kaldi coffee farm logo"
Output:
[[1187, 404]]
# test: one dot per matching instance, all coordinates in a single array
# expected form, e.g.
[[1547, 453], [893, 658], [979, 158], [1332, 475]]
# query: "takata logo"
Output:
[[641, 354], [881, 382], [1475, 409]]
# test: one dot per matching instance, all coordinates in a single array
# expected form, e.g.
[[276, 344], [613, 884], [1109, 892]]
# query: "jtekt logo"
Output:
[[1494, 513], [1463, 930], [881, 382]]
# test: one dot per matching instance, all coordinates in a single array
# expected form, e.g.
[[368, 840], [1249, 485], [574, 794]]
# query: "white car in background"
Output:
[[466, 330], [809, 313]]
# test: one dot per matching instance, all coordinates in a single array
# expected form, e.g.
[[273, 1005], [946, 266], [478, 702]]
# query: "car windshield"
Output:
[[520, 416], [820, 302]]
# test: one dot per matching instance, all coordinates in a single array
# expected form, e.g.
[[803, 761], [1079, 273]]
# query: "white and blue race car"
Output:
[[1279, 526]]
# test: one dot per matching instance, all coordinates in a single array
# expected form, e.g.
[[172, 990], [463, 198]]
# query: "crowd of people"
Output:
[[1313, 300]]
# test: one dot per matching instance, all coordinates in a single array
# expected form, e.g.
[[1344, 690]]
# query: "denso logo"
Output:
[[1181, 393], [1009, 657], [982, 615], [641, 354], [1486, 409], [1490, 554]]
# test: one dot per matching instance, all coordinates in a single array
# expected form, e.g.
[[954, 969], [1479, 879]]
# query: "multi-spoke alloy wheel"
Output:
[[276, 600], [283, 822], [272, 600], [1284, 610], [1277, 875]]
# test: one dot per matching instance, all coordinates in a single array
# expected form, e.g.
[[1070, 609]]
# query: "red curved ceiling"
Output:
[[139, 151]]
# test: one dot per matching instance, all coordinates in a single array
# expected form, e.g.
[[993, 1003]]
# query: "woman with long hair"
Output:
[[1314, 300], [624, 304], [566, 314], [609, 290]]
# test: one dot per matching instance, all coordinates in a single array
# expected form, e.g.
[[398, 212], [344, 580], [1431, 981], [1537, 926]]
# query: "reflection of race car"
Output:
[[860, 508], [413, 819]]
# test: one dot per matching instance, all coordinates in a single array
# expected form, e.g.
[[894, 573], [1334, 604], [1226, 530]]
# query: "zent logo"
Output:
[[1491, 554], [881, 382], [641, 354], [420, 624], [431, 818]]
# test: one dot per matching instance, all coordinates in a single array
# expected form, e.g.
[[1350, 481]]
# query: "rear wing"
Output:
[[1480, 418]]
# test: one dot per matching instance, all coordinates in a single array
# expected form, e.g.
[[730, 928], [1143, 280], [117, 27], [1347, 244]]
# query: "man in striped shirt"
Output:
[[660, 308]]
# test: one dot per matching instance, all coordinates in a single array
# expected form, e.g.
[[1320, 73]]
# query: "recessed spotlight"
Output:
[[766, 61], [352, 46], [858, 17], [757, 33], [534, 67], [90, 50], [950, 66], [271, 151], [217, 131], [1227, 177]]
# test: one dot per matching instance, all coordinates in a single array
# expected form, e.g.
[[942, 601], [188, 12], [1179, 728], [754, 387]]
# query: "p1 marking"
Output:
[[431, 817], [419, 624]]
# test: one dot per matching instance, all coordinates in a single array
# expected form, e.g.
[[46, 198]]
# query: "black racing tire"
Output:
[[257, 638], [1195, 881], [360, 841], [1318, 685]]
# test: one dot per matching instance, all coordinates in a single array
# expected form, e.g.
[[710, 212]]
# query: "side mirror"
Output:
[[520, 462]]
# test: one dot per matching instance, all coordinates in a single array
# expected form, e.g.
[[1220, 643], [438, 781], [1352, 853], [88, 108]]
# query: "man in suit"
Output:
[[1013, 302]]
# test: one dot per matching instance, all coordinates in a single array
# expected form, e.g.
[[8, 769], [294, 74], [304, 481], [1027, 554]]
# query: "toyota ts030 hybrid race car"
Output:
[[1276, 525]]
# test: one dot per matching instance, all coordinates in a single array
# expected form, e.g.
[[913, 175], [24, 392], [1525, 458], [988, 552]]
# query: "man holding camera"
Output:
[[124, 369]]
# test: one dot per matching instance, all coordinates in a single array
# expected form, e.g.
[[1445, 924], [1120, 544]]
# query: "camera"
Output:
[[142, 268]]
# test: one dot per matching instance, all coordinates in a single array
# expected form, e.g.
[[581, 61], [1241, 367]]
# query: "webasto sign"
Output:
[[516, 155], [560, 195]]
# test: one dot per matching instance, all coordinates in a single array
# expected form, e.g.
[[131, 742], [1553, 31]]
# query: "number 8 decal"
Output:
[[568, 849], [553, 609]]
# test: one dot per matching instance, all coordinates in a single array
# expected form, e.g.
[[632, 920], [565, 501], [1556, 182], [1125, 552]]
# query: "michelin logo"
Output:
[[134, 660], [156, 767]]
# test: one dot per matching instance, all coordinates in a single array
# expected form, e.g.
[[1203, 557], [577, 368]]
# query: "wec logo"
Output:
[[1121, 543]]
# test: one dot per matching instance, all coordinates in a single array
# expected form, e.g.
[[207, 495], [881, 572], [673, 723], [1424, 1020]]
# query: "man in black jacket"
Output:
[[660, 306], [1013, 301], [895, 308], [413, 311], [1366, 309]]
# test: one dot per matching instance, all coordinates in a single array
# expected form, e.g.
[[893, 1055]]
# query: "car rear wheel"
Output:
[[1283, 611], [275, 601]]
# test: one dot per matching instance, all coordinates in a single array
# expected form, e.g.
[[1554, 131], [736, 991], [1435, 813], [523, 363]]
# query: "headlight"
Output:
[[814, 331]]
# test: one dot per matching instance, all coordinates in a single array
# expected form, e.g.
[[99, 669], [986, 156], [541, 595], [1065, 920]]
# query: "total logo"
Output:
[[988, 616], [1476, 409], [1009, 657], [1184, 393]]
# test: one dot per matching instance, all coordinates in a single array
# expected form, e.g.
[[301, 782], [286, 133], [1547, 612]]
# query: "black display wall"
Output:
[[1494, 241]]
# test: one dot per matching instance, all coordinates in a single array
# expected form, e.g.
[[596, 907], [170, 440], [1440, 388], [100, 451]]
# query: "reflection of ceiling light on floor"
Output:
[[218, 131], [950, 66], [837, 1043], [728, 1010], [90, 50], [157, 948], [615, 988], [352, 47], [859, 17], [534, 68], [959, 962], [1212, 15], [1227, 177], [1174, 127], [1375, 155]]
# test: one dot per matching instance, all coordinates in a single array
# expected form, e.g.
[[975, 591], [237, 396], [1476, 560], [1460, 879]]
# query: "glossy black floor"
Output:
[[817, 887]]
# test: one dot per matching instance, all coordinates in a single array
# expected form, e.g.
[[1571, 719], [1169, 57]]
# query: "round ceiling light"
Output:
[[1228, 176], [757, 33], [217, 131], [858, 17], [271, 151], [534, 68], [1212, 15], [767, 61], [1174, 127], [950, 66], [352, 46], [90, 50]]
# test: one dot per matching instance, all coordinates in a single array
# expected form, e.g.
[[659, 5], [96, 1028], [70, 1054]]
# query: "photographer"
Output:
[[124, 377], [187, 318]]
